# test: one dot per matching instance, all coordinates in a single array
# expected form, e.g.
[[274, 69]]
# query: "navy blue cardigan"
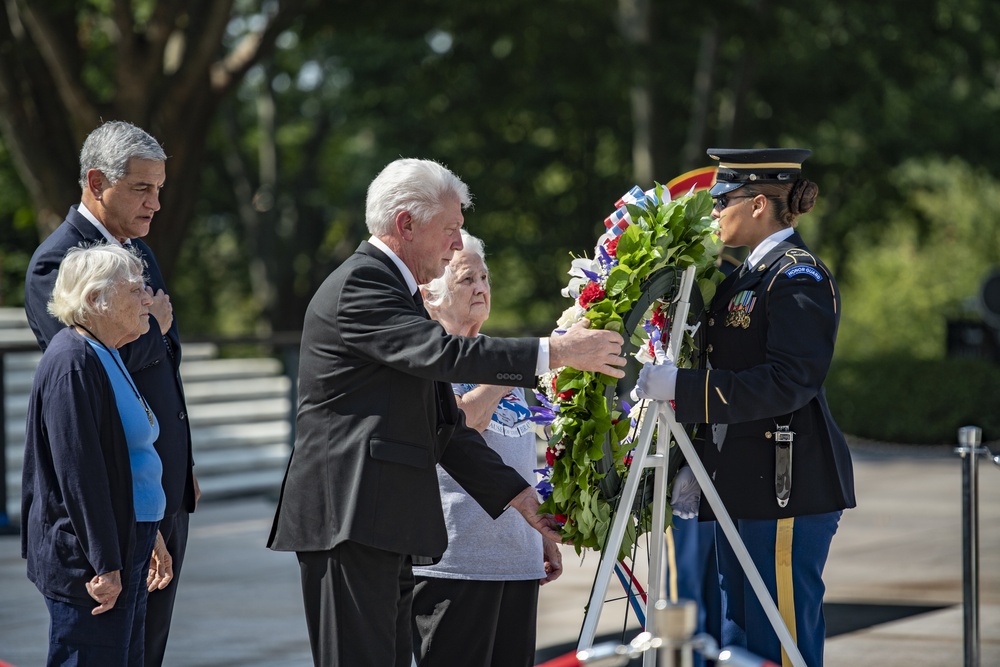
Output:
[[77, 517]]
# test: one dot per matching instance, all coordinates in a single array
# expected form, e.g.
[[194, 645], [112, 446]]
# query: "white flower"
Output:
[[581, 264], [571, 316], [543, 431], [579, 269], [572, 290], [642, 355]]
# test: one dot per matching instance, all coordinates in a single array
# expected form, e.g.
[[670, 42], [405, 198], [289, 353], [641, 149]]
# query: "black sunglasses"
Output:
[[722, 201]]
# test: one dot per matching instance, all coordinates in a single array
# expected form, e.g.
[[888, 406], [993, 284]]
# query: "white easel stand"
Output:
[[660, 414]]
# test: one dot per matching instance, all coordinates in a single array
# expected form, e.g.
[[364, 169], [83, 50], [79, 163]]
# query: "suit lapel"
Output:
[[85, 228], [444, 398], [374, 252]]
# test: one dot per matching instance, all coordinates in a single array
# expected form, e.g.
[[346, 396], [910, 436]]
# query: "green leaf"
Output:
[[618, 280]]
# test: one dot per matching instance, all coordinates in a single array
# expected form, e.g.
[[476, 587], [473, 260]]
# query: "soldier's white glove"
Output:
[[658, 382], [686, 495], [662, 355]]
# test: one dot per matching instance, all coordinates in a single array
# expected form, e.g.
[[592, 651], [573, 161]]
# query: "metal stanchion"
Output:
[[969, 440], [4, 518], [675, 624]]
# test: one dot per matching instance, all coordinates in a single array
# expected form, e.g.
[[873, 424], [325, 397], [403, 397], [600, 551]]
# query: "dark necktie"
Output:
[[440, 388], [420, 304], [166, 341]]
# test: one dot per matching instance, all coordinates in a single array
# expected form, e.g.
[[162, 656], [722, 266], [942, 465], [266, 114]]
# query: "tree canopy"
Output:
[[277, 115]]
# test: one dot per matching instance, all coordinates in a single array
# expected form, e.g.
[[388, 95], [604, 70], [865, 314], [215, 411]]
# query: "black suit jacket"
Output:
[[375, 416], [154, 367], [770, 339]]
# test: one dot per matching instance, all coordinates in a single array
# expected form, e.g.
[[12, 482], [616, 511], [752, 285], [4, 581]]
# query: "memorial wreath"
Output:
[[588, 425]]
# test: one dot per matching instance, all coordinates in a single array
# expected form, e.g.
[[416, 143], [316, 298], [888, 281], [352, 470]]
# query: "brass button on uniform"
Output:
[[709, 348], [767, 435], [711, 321]]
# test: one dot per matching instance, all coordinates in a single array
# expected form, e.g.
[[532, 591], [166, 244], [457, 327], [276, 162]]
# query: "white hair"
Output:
[[109, 148], [438, 292], [88, 277], [421, 187]]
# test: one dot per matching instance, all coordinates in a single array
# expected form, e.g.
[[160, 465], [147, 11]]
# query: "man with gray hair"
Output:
[[360, 503], [122, 169]]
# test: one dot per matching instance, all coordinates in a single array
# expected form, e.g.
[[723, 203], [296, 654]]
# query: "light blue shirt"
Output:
[[147, 469]]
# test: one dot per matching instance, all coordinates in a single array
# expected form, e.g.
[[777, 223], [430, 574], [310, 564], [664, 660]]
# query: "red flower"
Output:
[[550, 457], [591, 293], [561, 518], [566, 395], [612, 246], [659, 318]]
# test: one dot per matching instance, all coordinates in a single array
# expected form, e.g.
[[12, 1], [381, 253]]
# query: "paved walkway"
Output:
[[239, 603]]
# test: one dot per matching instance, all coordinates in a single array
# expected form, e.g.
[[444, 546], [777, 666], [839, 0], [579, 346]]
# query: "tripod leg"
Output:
[[617, 531], [726, 524]]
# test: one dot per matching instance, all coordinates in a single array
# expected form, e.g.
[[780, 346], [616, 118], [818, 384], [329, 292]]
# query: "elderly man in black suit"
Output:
[[360, 502], [122, 169]]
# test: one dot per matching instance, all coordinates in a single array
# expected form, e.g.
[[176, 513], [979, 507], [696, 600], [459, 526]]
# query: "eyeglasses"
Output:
[[722, 201]]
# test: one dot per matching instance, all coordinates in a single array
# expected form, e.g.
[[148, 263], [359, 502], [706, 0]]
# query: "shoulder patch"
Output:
[[803, 269], [801, 256]]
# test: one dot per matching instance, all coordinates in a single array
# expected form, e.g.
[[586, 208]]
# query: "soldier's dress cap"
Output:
[[739, 166]]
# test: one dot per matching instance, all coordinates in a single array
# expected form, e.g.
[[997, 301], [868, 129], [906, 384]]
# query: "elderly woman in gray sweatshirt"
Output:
[[477, 606]]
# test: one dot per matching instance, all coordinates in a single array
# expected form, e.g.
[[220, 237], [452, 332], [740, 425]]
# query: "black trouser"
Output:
[[160, 604], [474, 623], [357, 603]]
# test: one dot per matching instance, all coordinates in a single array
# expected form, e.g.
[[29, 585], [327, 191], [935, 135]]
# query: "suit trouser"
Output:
[[790, 555], [474, 623], [357, 605], [115, 637], [160, 605]]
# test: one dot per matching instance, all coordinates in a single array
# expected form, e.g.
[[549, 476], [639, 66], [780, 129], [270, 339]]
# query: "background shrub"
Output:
[[919, 401]]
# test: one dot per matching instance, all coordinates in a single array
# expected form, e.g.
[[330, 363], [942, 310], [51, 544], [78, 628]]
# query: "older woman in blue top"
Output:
[[92, 498]]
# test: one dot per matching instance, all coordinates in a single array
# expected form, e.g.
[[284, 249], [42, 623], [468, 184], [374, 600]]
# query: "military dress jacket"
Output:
[[376, 413], [769, 342]]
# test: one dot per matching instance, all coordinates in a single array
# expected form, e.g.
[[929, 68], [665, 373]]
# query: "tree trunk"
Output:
[[171, 71], [635, 17]]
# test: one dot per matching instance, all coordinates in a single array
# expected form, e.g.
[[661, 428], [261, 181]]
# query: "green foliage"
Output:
[[901, 399], [17, 231], [945, 238], [585, 420]]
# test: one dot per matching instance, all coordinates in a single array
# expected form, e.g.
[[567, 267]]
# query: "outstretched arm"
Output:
[[585, 349]]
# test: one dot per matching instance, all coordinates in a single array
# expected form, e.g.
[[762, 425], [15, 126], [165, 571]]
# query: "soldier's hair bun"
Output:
[[802, 197]]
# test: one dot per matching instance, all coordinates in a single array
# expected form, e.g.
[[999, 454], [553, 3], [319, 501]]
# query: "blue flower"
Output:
[[544, 486]]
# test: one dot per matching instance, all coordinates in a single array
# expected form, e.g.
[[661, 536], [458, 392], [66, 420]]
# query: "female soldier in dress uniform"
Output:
[[780, 463]]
